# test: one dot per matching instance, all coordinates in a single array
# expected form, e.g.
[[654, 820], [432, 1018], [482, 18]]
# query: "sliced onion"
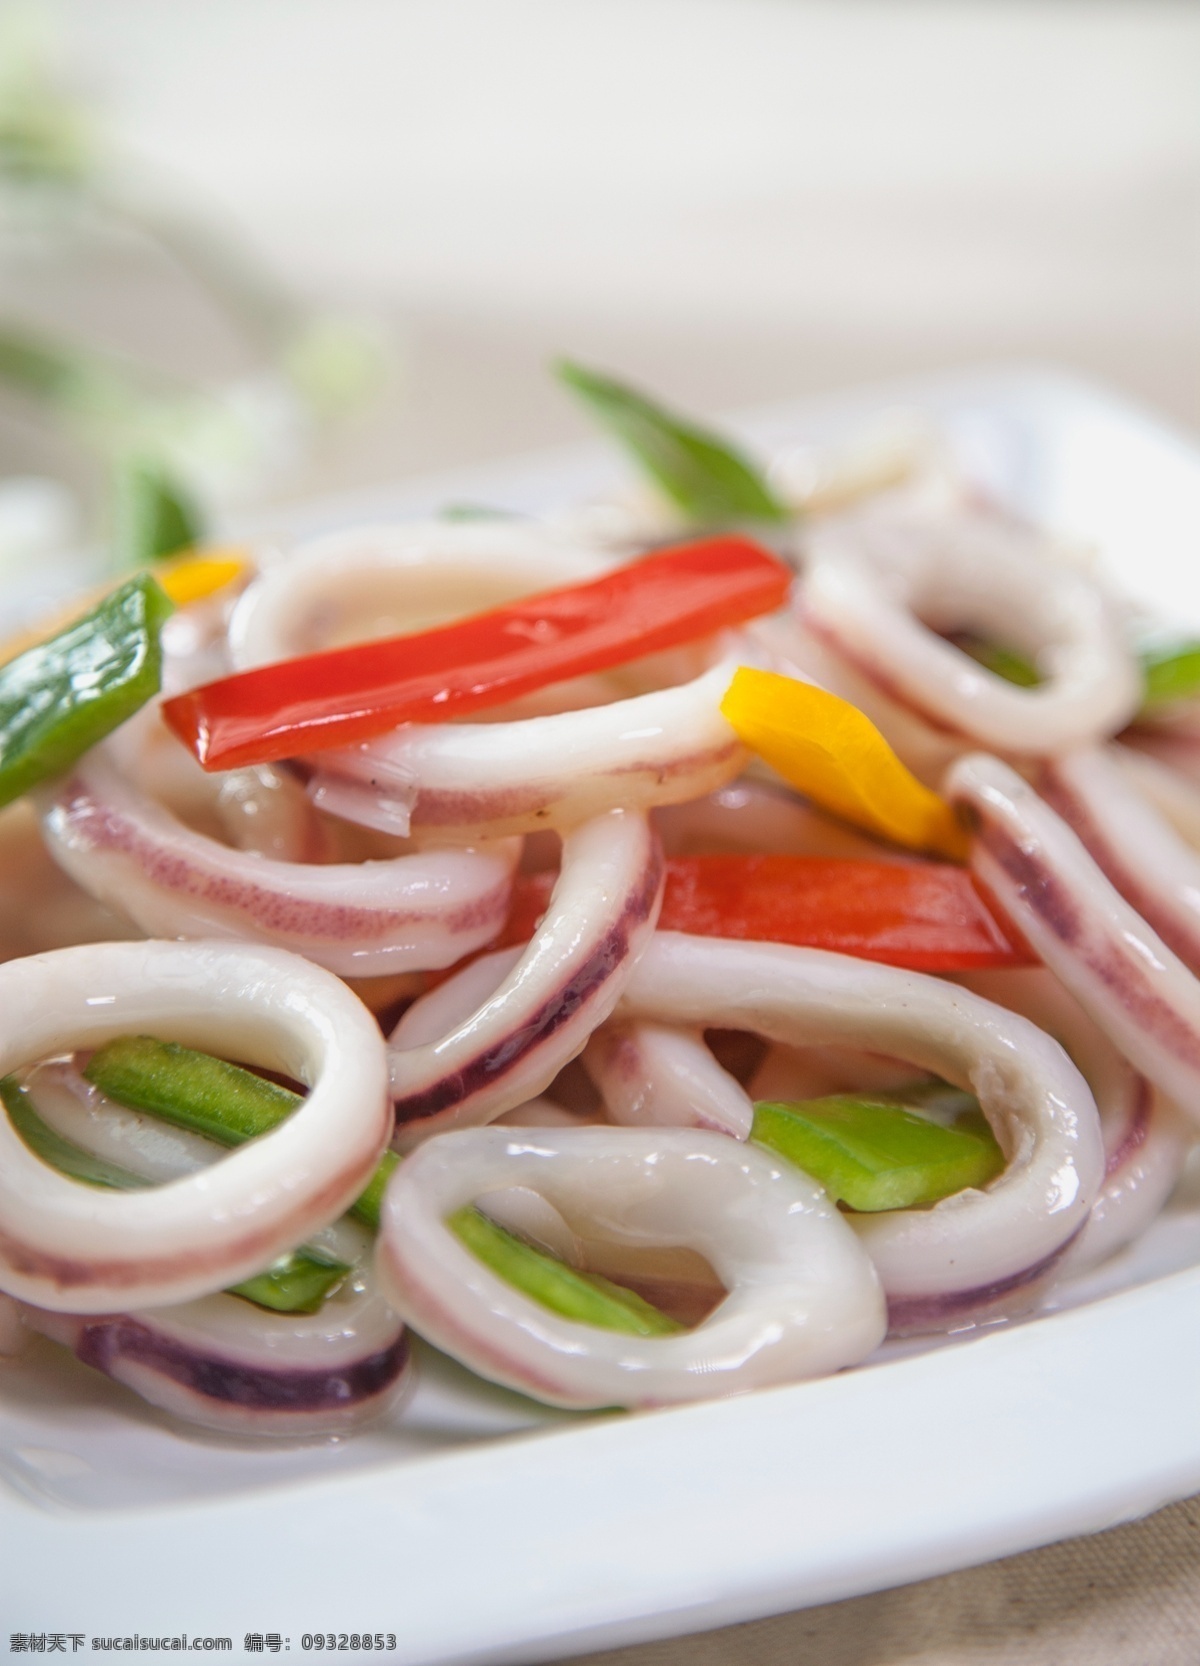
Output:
[[1146, 1139], [879, 586], [363, 919], [651, 1075], [265, 810], [537, 1007], [74, 1249], [941, 1263], [1117, 967], [803, 1298]]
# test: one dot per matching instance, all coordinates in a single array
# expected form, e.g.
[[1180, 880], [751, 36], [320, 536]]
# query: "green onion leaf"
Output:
[[153, 515], [586, 1298], [1170, 671], [708, 479], [872, 1154], [60, 698]]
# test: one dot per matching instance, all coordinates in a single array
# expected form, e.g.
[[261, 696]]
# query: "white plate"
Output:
[[476, 1526]]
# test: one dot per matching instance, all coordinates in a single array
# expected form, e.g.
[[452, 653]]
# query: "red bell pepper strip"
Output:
[[353, 694], [925, 916]]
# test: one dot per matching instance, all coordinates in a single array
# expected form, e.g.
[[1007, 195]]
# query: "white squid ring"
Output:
[[360, 919], [72, 1248], [538, 1010], [473, 780], [936, 1263], [803, 1298], [1154, 868], [879, 587], [1123, 975], [1146, 1139]]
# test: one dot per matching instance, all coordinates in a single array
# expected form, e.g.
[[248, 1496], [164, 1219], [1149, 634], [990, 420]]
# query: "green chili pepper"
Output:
[[367, 1206], [190, 1089], [60, 698], [706, 477], [296, 1283], [209, 1096], [585, 1297], [872, 1153], [230, 1105]]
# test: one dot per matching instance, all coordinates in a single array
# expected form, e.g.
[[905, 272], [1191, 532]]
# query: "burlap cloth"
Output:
[[1128, 1597]]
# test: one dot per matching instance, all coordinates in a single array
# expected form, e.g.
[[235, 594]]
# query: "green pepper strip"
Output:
[[228, 1104], [708, 479], [60, 698], [297, 1283], [875, 1153], [587, 1298], [209, 1096]]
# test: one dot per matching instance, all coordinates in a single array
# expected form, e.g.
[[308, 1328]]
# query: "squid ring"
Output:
[[879, 589], [1155, 869], [1146, 1139], [1118, 968], [975, 1246], [465, 781], [74, 1249], [230, 1366], [529, 1013], [803, 1298], [360, 919]]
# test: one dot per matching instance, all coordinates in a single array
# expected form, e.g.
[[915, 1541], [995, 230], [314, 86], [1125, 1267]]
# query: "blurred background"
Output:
[[336, 242]]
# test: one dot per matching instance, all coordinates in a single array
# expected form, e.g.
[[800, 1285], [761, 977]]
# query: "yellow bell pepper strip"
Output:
[[200, 573], [831, 752]]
